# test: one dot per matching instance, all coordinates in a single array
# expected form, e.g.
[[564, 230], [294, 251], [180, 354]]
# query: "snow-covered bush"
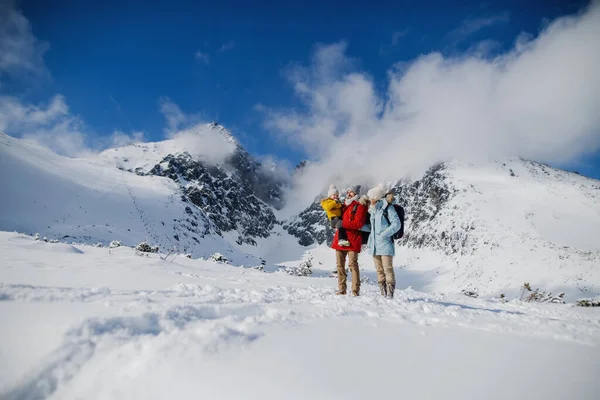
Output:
[[541, 296], [45, 239], [589, 302], [259, 267], [304, 269], [53, 240], [144, 247], [36, 237], [218, 257], [115, 243], [98, 244], [188, 255]]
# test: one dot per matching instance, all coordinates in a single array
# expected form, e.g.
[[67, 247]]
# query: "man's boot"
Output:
[[383, 288]]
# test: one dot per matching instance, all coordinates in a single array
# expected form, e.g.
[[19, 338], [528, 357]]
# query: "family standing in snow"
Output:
[[373, 213]]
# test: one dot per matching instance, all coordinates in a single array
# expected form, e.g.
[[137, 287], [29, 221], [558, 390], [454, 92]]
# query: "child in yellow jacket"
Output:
[[333, 209]]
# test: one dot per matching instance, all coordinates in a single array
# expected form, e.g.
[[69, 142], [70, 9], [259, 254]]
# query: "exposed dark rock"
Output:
[[423, 200], [227, 199]]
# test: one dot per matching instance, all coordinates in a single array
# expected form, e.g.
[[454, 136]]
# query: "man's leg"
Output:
[[390, 277], [380, 274], [340, 259], [353, 265]]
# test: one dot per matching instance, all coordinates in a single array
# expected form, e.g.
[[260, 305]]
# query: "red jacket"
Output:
[[353, 218]]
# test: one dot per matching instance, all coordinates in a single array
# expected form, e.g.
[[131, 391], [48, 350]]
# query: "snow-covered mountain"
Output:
[[488, 227], [91, 201], [494, 226], [237, 195]]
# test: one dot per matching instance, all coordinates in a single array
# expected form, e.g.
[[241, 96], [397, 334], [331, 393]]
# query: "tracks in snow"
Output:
[[213, 318]]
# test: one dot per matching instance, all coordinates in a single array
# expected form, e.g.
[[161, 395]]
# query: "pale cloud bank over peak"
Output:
[[49, 124], [52, 125], [192, 133], [538, 101], [21, 53]]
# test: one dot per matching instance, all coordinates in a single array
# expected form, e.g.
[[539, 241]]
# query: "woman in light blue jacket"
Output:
[[380, 243]]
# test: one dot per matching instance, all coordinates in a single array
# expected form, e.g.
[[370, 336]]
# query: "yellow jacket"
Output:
[[332, 208]]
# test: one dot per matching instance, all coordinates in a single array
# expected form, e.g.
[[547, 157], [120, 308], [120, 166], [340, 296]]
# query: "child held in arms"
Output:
[[333, 208]]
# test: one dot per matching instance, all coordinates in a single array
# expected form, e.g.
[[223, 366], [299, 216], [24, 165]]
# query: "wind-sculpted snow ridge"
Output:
[[149, 327]]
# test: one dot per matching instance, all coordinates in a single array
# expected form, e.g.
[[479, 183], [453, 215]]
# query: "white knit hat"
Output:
[[332, 190], [376, 193]]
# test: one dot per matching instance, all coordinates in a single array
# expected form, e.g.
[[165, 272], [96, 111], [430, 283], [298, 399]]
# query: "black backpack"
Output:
[[400, 211]]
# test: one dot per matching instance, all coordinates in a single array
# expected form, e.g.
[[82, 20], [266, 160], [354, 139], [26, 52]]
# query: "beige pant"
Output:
[[340, 257], [385, 269]]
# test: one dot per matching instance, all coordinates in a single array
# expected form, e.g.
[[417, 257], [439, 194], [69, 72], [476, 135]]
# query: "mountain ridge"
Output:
[[490, 225]]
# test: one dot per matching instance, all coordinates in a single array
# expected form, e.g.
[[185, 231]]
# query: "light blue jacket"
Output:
[[380, 240]]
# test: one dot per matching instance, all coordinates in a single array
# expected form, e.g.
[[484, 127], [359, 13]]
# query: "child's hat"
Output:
[[332, 190]]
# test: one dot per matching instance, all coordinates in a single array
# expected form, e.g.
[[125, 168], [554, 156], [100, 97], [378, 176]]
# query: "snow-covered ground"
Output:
[[80, 322]]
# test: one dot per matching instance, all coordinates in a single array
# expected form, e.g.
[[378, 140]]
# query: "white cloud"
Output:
[[227, 46], [275, 166], [191, 133], [173, 114], [471, 26], [177, 119], [21, 53], [538, 101], [203, 142], [202, 57], [49, 124], [120, 139]]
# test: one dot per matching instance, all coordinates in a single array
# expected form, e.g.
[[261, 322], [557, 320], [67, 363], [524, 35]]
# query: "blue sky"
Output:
[[114, 60]]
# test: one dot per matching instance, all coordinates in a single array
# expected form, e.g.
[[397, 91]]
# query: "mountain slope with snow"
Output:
[[491, 227], [487, 228], [232, 189], [79, 200]]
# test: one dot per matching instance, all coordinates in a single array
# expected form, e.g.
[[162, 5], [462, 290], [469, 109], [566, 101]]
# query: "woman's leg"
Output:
[[380, 274], [390, 277]]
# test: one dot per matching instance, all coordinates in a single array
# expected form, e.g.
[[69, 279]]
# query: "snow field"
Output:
[[107, 323]]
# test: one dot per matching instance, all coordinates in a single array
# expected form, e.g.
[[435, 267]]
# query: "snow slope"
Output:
[[98, 323], [81, 200], [491, 227], [506, 223]]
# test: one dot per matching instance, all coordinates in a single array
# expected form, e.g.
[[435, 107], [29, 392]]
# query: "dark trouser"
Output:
[[341, 231]]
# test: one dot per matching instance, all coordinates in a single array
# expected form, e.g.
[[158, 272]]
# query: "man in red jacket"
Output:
[[354, 213]]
